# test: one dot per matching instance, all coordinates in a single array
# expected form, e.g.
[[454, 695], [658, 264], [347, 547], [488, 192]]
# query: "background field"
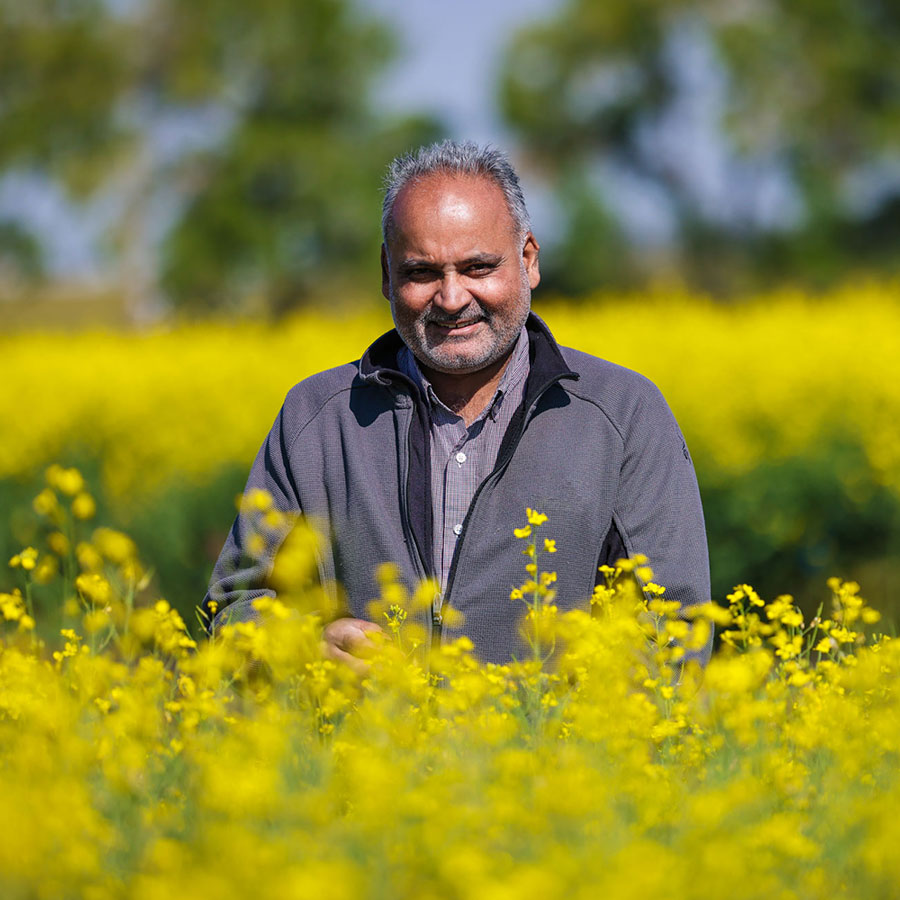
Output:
[[790, 405]]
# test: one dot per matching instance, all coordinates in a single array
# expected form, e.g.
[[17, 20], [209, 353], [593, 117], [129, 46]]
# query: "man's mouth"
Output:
[[456, 327]]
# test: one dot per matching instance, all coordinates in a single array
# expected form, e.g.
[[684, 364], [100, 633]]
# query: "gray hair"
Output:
[[456, 158]]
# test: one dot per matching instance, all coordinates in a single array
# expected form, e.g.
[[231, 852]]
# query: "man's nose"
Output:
[[453, 295]]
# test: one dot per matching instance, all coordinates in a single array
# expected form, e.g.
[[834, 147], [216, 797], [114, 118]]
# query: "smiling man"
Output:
[[427, 450]]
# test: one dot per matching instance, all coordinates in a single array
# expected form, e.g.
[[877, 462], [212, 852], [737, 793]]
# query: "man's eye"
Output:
[[419, 274], [481, 269]]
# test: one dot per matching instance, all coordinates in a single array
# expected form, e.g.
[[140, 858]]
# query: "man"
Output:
[[427, 451]]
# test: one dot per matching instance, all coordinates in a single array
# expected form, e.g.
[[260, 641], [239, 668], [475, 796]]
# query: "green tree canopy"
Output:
[[284, 204], [810, 90]]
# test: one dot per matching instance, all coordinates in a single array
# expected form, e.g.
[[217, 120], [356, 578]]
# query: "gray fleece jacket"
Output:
[[594, 446]]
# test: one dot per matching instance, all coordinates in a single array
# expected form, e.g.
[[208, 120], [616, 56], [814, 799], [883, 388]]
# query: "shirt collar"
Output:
[[514, 374]]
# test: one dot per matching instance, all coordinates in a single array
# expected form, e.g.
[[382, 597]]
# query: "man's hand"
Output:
[[343, 640]]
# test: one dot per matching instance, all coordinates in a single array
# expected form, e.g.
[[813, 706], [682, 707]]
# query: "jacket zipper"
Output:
[[418, 556]]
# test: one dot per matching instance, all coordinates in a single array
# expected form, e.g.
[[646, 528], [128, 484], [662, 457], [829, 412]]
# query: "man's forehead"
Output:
[[440, 199]]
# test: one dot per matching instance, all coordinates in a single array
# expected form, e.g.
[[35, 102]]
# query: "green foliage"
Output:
[[811, 89], [592, 250], [803, 518], [63, 69], [290, 211], [288, 204], [280, 205], [19, 252], [181, 533]]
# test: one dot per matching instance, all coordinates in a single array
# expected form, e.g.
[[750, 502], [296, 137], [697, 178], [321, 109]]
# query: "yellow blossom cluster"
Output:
[[764, 379], [136, 762], [176, 403], [748, 381]]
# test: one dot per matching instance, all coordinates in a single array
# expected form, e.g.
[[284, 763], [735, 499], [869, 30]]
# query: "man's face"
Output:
[[458, 276]]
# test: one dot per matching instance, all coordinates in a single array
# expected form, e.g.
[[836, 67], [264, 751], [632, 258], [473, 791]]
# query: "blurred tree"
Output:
[[20, 254], [62, 71], [281, 198], [286, 206], [772, 129]]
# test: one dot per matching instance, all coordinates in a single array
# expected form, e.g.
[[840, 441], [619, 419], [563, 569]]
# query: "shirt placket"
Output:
[[458, 474]]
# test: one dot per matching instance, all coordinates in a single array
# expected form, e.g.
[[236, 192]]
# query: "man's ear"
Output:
[[530, 259], [385, 274]]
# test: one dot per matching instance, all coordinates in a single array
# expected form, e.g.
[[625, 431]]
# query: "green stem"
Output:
[[535, 601], [69, 560], [29, 605]]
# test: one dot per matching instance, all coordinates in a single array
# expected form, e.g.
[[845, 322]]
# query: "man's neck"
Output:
[[468, 395]]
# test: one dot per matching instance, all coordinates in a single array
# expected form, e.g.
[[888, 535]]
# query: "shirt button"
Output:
[[460, 457], [457, 529]]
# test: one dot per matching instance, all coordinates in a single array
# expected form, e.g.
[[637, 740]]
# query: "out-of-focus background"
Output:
[[189, 224]]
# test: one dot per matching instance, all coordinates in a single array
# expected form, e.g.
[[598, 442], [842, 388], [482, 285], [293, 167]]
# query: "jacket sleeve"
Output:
[[658, 510], [241, 573]]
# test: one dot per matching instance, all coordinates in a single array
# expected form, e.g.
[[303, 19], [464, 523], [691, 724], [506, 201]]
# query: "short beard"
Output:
[[442, 357]]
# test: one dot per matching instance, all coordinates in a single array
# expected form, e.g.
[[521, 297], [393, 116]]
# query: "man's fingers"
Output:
[[354, 663], [355, 636], [345, 639]]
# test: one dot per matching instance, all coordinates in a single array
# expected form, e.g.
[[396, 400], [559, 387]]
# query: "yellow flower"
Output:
[[58, 543], [83, 506], [88, 556], [12, 606], [47, 504], [549, 545], [522, 532], [67, 481], [94, 588], [114, 545], [451, 617], [534, 517], [26, 558], [95, 620], [46, 569], [745, 592], [255, 500], [712, 611]]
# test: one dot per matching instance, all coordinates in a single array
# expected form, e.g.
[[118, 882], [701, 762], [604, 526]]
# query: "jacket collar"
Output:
[[379, 362]]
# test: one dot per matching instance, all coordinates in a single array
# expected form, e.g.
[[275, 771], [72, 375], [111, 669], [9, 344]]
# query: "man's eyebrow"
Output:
[[414, 263], [491, 258]]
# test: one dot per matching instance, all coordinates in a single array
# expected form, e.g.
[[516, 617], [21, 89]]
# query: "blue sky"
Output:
[[449, 55]]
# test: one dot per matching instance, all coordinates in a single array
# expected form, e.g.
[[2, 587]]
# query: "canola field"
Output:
[[136, 762], [748, 382], [790, 405], [139, 759]]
